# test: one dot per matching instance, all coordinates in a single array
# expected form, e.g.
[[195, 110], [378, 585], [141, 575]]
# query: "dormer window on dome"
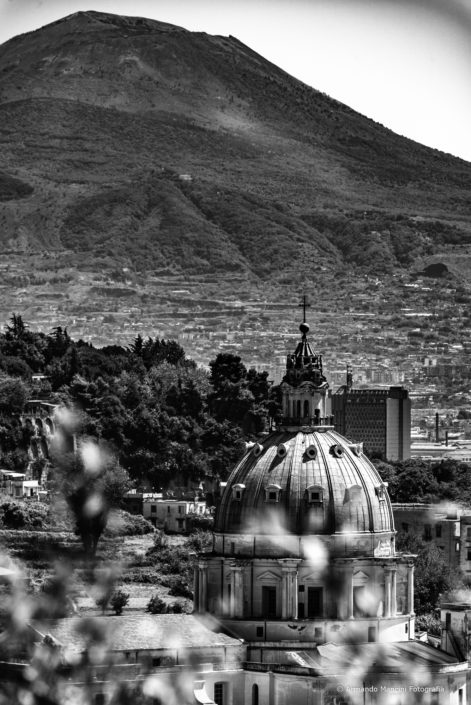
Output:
[[336, 450], [257, 449], [311, 452], [272, 493], [282, 450], [237, 492], [315, 494]]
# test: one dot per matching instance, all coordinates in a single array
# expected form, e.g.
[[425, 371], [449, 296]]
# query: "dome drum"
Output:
[[308, 596], [342, 545]]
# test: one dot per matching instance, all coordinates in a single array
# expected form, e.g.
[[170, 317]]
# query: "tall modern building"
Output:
[[380, 418]]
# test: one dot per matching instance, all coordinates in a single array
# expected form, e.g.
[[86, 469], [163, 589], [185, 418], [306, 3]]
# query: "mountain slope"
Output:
[[130, 141]]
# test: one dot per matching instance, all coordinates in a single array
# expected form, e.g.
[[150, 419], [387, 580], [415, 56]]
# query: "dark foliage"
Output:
[[162, 417], [417, 480], [432, 574], [118, 601]]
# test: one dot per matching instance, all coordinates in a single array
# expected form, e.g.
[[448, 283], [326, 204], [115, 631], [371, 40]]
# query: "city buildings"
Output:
[[380, 418]]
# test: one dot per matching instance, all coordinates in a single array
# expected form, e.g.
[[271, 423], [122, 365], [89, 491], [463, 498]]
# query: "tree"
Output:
[[13, 395], [17, 329], [432, 574], [58, 343], [119, 600], [91, 482]]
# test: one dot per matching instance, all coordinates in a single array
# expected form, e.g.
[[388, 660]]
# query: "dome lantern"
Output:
[[304, 388]]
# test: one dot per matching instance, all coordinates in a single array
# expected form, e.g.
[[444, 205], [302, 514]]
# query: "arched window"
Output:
[[255, 694]]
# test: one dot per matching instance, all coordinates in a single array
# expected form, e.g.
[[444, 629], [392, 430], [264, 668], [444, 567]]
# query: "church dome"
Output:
[[306, 481]]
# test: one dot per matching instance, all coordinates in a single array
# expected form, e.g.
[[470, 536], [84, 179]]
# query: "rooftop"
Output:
[[136, 632]]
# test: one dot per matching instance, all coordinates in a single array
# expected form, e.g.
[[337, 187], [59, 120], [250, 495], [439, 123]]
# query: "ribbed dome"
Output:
[[309, 482]]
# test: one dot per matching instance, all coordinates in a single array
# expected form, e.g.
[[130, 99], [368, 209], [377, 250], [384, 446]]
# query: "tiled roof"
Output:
[[385, 657], [136, 632]]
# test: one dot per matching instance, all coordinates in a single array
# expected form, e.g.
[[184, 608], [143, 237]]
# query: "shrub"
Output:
[[179, 588], [121, 523], [156, 605], [142, 575], [428, 623], [103, 601], [119, 600], [15, 514], [160, 542], [178, 608], [200, 541], [198, 522]]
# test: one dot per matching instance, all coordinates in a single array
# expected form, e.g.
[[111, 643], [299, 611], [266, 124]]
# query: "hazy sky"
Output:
[[404, 63]]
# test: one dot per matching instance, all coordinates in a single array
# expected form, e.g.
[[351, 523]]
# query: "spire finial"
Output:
[[304, 305]]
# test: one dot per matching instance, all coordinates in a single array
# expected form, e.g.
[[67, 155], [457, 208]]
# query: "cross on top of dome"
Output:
[[304, 364]]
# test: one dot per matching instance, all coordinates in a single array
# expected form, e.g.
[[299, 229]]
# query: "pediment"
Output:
[[312, 577], [268, 576], [360, 575], [307, 385]]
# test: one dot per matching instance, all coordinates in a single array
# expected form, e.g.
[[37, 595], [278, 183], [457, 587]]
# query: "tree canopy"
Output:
[[164, 418]]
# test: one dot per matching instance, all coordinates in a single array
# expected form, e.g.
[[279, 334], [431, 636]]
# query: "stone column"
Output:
[[387, 591], [410, 588], [393, 592], [196, 578], [237, 591], [289, 589], [203, 586], [294, 594], [349, 591]]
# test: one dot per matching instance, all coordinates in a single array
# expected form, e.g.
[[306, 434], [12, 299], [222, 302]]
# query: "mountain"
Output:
[[128, 142]]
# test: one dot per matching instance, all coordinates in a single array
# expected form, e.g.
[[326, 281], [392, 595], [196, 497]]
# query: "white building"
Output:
[[172, 515], [15, 484]]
